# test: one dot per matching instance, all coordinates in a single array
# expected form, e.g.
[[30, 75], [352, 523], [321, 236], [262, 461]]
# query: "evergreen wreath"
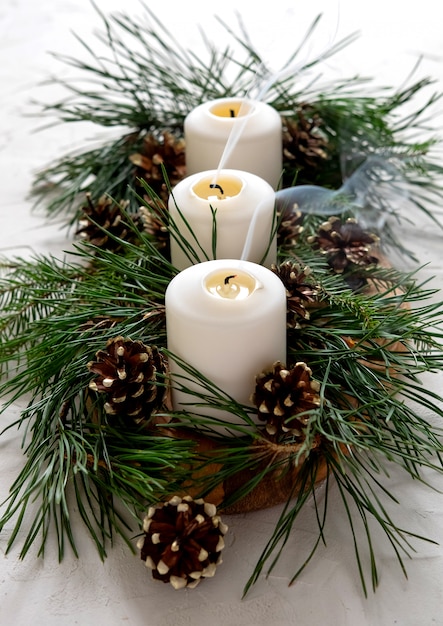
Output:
[[85, 338]]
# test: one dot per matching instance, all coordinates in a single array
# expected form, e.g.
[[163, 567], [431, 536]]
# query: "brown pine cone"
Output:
[[156, 153], [104, 218], [154, 225], [182, 542], [127, 373], [345, 244], [300, 290], [290, 227], [282, 397], [304, 143]]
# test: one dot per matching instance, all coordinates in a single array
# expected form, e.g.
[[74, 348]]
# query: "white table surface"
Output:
[[120, 590]]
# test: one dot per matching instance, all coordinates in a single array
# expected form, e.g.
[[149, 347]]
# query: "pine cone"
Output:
[[300, 290], [154, 225], [127, 372], [105, 215], [290, 227], [304, 144], [183, 541], [166, 152], [283, 396], [345, 244]]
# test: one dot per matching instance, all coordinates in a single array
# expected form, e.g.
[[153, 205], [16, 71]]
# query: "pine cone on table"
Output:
[[283, 396], [182, 542], [126, 371]]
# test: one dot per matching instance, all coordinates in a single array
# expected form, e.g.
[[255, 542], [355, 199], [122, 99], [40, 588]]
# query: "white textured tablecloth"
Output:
[[120, 590]]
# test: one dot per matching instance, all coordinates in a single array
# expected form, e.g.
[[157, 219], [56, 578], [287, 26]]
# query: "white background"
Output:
[[393, 35]]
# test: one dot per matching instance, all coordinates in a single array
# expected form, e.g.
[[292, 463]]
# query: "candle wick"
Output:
[[214, 186], [232, 112], [228, 278]]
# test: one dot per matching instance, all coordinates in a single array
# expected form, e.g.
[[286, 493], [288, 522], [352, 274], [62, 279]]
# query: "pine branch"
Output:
[[367, 347]]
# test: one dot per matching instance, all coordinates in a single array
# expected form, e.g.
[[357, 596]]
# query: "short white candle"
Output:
[[238, 198], [258, 142], [227, 319]]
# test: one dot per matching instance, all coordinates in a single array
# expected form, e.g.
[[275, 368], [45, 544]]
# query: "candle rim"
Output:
[[226, 178], [250, 108], [180, 299], [229, 272]]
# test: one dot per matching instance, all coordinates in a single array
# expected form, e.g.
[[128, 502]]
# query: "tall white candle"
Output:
[[227, 319], [258, 143], [237, 198]]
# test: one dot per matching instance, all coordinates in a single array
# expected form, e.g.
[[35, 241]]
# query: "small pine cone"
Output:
[[290, 227], [304, 143], [156, 153], [300, 290], [154, 225], [345, 244], [282, 397], [127, 373], [105, 215], [182, 542]]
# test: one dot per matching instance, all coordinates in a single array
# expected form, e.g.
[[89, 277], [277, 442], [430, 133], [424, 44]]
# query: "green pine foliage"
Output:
[[367, 348]]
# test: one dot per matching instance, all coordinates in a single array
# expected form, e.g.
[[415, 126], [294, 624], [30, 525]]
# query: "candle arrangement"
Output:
[[229, 333]]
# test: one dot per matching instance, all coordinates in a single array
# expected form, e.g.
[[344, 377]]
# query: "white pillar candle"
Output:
[[227, 319], [254, 128], [241, 201]]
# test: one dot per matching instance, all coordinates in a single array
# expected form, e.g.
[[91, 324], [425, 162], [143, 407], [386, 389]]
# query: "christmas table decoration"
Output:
[[85, 340]]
